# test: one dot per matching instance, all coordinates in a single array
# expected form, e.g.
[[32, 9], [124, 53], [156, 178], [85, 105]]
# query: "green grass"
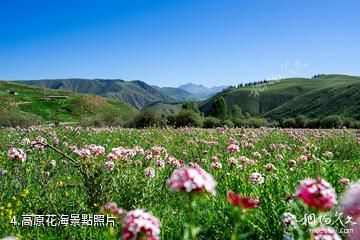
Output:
[[67, 191]]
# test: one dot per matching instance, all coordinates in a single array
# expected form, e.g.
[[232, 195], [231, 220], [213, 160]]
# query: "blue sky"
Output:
[[171, 42]]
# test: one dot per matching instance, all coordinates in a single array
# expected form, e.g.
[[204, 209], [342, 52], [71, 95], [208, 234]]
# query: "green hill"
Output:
[[28, 103], [137, 93], [315, 97]]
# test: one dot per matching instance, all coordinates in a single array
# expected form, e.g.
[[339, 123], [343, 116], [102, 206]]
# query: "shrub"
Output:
[[332, 121], [251, 122], [289, 123], [348, 122], [313, 123], [148, 118], [211, 122], [356, 124], [228, 123], [188, 118], [14, 118], [101, 120], [300, 121], [256, 122]]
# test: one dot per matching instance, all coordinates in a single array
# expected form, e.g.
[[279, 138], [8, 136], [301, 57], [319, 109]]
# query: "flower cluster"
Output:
[[113, 209], [192, 180], [317, 194], [110, 165], [256, 178], [97, 150], [149, 172], [233, 148], [17, 154], [121, 153], [138, 224]]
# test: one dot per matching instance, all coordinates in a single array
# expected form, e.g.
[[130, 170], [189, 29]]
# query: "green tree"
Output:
[[187, 118], [220, 108], [236, 111], [189, 105]]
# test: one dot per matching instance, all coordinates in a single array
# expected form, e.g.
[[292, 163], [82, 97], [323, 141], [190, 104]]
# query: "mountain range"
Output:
[[200, 91], [137, 93], [312, 97]]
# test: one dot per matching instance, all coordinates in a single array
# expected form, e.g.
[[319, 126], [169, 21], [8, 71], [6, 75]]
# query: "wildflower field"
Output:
[[185, 183]]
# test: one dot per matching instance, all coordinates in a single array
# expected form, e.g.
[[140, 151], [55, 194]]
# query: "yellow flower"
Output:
[[25, 193], [8, 205], [14, 198]]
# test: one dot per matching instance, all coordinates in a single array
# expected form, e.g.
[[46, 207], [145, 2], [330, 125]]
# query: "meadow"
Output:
[[223, 183]]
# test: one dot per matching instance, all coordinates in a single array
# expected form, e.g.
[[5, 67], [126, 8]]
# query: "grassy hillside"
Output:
[[325, 95], [136, 93], [28, 103]]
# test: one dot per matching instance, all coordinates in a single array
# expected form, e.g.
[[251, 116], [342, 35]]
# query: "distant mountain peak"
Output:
[[201, 90]]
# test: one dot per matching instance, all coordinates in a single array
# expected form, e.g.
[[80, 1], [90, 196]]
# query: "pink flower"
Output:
[[83, 153], [157, 150], [109, 165], [39, 143], [113, 209], [317, 194], [17, 154], [256, 178], [97, 150], [160, 163], [149, 172], [121, 153], [216, 165], [256, 155], [233, 148], [138, 224], [269, 167], [344, 181], [232, 161], [355, 234], [323, 233], [351, 200], [192, 180]]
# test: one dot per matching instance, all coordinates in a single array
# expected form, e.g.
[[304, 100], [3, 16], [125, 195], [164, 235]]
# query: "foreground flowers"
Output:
[[192, 180], [17, 154], [317, 194], [138, 224], [245, 202], [351, 200]]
